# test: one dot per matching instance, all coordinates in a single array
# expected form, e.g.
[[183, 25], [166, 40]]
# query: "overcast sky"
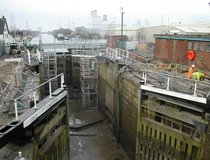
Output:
[[51, 14]]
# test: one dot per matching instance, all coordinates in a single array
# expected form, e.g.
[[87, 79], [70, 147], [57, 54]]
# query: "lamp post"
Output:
[[121, 35], [113, 25]]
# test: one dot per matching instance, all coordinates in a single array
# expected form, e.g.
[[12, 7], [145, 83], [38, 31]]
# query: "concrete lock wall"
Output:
[[144, 132], [129, 108], [119, 98], [107, 73]]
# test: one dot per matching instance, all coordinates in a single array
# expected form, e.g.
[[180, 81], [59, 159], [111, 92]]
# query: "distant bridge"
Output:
[[74, 44]]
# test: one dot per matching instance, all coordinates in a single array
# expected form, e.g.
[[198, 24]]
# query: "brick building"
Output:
[[174, 48], [115, 41]]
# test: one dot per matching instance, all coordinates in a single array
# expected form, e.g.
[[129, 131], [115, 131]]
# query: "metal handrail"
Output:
[[34, 93], [116, 53], [160, 79], [183, 83]]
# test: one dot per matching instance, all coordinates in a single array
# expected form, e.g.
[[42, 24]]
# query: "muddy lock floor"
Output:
[[91, 137]]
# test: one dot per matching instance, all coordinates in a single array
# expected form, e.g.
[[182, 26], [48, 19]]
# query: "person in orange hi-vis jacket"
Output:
[[190, 72]]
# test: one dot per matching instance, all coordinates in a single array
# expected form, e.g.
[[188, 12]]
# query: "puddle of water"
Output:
[[75, 121]]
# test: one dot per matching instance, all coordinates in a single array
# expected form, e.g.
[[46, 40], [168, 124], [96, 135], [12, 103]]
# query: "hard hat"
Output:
[[193, 65]]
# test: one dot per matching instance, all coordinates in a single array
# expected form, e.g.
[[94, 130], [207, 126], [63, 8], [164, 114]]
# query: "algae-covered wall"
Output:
[[101, 85], [129, 103], [119, 98], [75, 71], [107, 74]]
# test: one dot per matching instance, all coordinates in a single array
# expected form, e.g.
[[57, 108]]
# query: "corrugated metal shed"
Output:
[[198, 28]]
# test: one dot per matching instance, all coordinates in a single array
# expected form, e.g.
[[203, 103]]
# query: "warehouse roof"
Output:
[[203, 38], [194, 29]]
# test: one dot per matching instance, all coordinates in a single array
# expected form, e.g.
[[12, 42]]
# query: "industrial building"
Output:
[[174, 48], [145, 34]]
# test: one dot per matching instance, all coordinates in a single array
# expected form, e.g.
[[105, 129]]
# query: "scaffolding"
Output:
[[89, 81], [49, 62]]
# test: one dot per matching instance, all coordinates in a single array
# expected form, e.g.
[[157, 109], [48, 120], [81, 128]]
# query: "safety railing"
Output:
[[117, 54], [83, 52], [171, 82], [49, 82], [76, 44]]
